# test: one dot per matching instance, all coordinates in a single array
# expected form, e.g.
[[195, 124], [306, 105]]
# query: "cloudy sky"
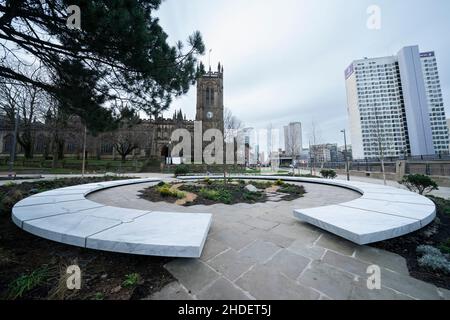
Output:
[[284, 60]]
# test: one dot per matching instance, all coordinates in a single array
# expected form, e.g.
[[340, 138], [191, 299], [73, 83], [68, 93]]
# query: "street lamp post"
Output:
[[83, 165], [346, 155], [13, 147]]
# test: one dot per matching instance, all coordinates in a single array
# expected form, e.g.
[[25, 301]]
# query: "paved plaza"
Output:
[[261, 252]]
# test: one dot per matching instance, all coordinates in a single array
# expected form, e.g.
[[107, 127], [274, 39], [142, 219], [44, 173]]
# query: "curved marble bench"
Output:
[[65, 215], [381, 213]]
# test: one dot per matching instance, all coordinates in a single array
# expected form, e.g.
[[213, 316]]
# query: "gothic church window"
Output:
[[209, 93]]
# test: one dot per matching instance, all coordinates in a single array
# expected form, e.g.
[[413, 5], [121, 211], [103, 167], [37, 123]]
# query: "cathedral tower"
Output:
[[210, 99]]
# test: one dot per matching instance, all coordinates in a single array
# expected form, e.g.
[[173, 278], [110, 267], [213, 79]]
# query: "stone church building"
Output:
[[151, 138]]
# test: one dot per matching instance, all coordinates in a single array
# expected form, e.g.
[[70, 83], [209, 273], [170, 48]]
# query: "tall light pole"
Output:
[[83, 165], [13, 147], [346, 155]]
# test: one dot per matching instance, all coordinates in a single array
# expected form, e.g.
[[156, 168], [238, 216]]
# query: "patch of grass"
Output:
[[131, 280], [252, 196], [218, 195], [261, 184], [292, 189], [166, 191], [27, 282], [98, 296]]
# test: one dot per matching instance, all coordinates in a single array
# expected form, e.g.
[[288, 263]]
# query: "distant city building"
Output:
[[341, 153], [448, 124], [396, 102], [293, 139], [252, 147], [324, 153]]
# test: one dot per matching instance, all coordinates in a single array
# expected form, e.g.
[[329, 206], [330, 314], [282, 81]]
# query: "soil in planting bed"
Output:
[[437, 234], [44, 263], [209, 192]]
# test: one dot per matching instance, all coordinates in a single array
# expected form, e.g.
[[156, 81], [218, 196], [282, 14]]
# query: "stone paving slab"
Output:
[[296, 231], [232, 238], [265, 283], [335, 243], [288, 263], [192, 273], [334, 283], [361, 292], [410, 286], [261, 224], [212, 248], [222, 289], [260, 251], [232, 264], [383, 258], [305, 250]]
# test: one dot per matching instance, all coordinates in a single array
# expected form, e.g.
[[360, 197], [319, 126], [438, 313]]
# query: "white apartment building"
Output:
[[395, 106]]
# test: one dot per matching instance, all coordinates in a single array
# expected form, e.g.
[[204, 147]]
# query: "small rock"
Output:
[[251, 188], [116, 289], [104, 276]]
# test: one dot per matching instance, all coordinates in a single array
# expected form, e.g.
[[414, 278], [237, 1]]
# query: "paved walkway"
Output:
[[261, 252], [443, 192]]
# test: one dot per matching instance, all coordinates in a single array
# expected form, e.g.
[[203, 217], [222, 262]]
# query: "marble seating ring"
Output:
[[65, 215], [381, 213]]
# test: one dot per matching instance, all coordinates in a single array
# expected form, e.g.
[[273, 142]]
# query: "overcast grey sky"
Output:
[[284, 60]]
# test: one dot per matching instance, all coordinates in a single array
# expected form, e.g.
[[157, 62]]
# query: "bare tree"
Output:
[[127, 137], [231, 124], [314, 140], [292, 143], [26, 102]]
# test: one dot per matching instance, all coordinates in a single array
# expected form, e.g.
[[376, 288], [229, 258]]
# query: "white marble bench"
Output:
[[65, 215], [381, 213]]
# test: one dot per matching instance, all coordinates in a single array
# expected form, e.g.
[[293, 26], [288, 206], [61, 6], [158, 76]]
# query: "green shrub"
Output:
[[419, 183], [131, 280], [28, 282], [208, 181], [220, 195], [261, 184], [279, 183], [292, 189], [10, 199], [432, 258], [98, 296], [166, 191], [445, 247], [328, 173], [251, 196], [181, 170]]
